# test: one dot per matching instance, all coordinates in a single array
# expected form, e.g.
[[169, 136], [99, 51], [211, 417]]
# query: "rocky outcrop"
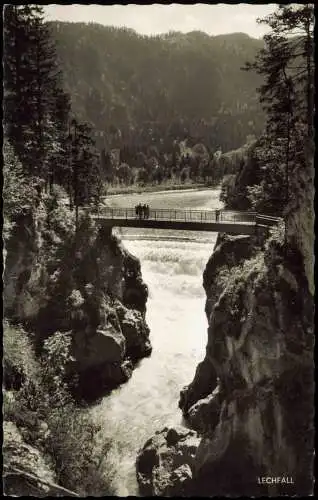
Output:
[[85, 285], [229, 251], [165, 464], [135, 331], [203, 384], [203, 415], [251, 400], [105, 355], [257, 421]]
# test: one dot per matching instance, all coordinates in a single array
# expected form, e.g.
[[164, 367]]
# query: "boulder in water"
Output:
[[165, 464]]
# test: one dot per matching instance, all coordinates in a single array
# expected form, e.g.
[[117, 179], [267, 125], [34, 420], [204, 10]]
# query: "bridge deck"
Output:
[[195, 220]]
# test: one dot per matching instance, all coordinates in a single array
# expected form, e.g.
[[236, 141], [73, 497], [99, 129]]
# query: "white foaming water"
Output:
[[172, 266]]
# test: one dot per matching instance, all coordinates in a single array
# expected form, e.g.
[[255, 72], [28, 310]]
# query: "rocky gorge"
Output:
[[250, 404], [248, 410]]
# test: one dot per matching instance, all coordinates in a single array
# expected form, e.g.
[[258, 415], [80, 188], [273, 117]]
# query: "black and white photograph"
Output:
[[158, 250]]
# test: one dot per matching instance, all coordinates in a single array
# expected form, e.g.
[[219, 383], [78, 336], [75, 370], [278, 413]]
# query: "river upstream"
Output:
[[172, 263]]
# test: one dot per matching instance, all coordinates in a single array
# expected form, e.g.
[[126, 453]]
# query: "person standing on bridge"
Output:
[[217, 215], [144, 211], [140, 210]]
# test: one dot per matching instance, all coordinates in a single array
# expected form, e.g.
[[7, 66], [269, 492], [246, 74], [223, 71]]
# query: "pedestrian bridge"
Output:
[[223, 221]]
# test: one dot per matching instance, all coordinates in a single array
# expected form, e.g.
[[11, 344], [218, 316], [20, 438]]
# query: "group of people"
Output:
[[142, 211]]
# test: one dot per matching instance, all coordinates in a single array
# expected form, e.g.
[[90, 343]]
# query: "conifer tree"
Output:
[[59, 154], [16, 86], [85, 182], [286, 63], [43, 76], [33, 95]]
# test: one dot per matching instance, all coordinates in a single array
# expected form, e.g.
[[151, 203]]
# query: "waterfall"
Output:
[[172, 264]]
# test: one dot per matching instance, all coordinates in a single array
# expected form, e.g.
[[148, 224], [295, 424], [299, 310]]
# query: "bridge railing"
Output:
[[267, 220], [232, 216], [165, 214]]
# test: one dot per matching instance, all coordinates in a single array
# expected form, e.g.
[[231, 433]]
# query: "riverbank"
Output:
[[156, 188]]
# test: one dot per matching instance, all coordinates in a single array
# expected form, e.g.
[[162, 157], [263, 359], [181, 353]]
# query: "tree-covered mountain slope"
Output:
[[174, 85]]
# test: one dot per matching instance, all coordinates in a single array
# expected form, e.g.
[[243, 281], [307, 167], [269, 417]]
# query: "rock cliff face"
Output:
[[300, 214], [87, 286], [251, 400]]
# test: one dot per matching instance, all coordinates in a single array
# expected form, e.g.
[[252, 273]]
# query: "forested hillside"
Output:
[[136, 90]]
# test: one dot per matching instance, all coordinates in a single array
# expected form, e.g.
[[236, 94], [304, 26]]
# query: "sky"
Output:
[[157, 18]]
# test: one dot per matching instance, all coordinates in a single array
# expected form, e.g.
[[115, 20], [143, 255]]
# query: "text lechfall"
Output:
[[275, 480]]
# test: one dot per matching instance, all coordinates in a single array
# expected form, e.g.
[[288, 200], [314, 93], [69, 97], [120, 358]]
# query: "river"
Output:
[[172, 263]]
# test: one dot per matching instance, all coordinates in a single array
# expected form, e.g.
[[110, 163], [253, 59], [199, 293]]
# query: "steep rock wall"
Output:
[[260, 344], [86, 285], [251, 399], [300, 214]]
